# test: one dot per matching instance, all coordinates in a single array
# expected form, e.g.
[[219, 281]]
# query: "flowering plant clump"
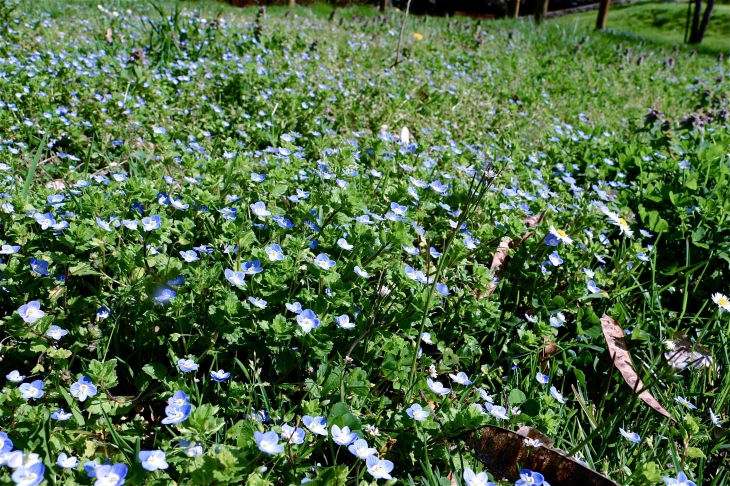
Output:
[[243, 248]]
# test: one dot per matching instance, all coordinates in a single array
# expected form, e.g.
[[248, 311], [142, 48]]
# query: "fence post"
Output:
[[602, 14]]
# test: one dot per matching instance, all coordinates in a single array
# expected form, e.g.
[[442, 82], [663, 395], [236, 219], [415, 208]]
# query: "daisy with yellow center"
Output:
[[622, 224], [561, 235], [721, 301]]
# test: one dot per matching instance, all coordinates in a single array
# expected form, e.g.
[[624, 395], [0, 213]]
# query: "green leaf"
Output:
[[695, 452], [203, 420], [516, 397], [158, 371], [330, 476], [105, 373]]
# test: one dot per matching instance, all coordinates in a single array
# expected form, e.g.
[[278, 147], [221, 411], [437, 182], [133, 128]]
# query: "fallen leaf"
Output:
[[499, 261], [616, 340], [505, 452], [109, 35], [452, 479]]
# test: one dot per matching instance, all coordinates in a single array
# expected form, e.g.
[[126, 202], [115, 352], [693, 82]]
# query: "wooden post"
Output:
[[514, 9], [292, 3], [602, 14], [541, 10], [383, 4]]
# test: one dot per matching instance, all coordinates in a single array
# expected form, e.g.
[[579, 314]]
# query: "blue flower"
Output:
[[268, 442], [259, 209], [150, 223], [228, 213], [9, 249], [411, 250], [176, 414], [187, 365], [528, 478], [179, 280], [45, 220], [542, 379], [344, 322], [83, 388], [6, 445], [163, 198], [252, 268], [161, 295], [236, 278], [108, 475], [437, 387], [39, 266], [29, 476], [592, 287], [179, 398], [32, 390], [283, 222], [379, 468], [342, 243], [260, 303], [296, 307], [61, 415], [442, 289], [681, 480], [103, 313], [66, 462], [398, 209], [472, 479], [417, 413], [556, 394], [220, 375], [343, 436], [323, 261], [471, 243], [179, 205], [308, 320], [461, 378], [189, 256], [361, 450], [360, 272], [317, 425], [555, 259], [434, 252], [56, 332], [551, 240], [257, 177], [31, 311], [631, 436], [152, 460], [274, 252], [293, 435], [15, 376]]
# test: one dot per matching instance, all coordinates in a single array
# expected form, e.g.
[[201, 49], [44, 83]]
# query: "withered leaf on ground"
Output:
[[619, 350], [499, 261], [504, 452]]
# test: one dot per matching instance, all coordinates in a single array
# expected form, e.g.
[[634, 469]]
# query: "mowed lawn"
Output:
[[659, 22]]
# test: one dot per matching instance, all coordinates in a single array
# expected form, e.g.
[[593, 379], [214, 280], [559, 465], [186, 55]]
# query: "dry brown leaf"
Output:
[[452, 479], [57, 184], [499, 261], [616, 340], [109, 35], [505, 452]]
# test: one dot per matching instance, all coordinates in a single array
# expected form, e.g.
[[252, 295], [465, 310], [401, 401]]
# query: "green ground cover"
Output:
[[658, 22], [234, 243]]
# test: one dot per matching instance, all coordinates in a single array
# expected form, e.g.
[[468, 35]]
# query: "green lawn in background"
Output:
[[659, 22]]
